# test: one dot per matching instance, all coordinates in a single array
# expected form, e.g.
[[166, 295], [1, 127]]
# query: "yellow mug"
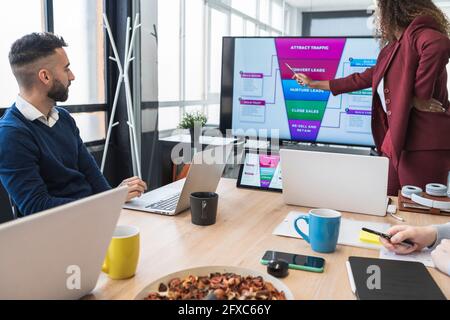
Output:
[[123, 253]]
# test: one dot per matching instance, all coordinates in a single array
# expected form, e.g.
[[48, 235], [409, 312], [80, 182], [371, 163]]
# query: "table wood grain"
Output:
[[243, 232]]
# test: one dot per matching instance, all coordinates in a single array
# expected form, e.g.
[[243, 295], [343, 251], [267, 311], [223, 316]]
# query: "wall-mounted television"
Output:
[[259, 93]]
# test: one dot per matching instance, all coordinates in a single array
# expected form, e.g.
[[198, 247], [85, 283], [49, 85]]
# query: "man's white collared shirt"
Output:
[[31, 113]]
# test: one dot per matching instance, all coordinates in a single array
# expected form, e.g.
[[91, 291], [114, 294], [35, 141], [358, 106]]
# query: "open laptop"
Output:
[[204, 175], [58, 254], [352, 183]]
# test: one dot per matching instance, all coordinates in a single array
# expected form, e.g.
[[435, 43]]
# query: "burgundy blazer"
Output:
[[415, 65]]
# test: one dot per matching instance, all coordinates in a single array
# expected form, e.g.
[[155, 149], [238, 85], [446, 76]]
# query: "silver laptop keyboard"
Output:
[[169, 204]]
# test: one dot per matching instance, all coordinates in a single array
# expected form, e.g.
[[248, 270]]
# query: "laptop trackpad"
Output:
[[153, 196]]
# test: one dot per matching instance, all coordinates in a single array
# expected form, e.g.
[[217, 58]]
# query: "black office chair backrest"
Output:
[[8, 210]]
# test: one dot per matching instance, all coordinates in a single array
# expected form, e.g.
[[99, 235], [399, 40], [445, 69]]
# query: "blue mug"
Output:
[[324, 227]]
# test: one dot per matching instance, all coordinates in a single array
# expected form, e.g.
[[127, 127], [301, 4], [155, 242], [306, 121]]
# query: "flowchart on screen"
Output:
[[309, 112]]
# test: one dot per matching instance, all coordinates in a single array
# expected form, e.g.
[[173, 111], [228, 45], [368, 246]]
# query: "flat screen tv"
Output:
[[259, 92]]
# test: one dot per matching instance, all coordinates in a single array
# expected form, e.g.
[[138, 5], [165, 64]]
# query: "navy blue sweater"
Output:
[[43, 167]]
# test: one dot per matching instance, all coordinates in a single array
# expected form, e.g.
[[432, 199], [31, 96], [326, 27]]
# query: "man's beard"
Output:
[[58, 92]]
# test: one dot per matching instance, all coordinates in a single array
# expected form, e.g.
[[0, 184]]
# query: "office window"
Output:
[[264, 11], [190, 50], [214, 114], [85, 36], [250, 29], [237, 26], [194, 71], [219, 29], [15, 22], [264, 33], [169, 50], [92, 125], [288, 16], [277, 15], [170, 117], [247, 7], [193, 109]]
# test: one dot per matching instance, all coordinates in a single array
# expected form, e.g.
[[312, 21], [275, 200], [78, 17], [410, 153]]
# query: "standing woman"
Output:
[[410, 109]]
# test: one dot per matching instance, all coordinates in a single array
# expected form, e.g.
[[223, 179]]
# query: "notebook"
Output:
[[378, 279]]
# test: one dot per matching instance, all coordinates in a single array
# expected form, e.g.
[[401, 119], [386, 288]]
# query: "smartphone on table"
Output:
[[296, 261]]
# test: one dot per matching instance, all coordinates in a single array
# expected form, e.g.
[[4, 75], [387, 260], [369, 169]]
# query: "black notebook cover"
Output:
[[399, 280]]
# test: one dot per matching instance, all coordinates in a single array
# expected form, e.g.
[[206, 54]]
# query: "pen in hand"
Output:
[[388, 237]]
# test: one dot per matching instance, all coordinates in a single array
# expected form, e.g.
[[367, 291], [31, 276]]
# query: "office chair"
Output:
[[8, 210]]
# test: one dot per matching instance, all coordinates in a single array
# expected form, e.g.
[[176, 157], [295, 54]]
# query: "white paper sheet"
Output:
[[348, 233], [423, 256]]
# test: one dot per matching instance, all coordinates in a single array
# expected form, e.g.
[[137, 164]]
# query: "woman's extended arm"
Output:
[[353, 82]]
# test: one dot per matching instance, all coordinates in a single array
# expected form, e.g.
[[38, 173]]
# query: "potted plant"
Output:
[[191, 120]]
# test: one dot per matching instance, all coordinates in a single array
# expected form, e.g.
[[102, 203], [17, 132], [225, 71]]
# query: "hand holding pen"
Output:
[[406, 239], [301, 78], [304, 80]]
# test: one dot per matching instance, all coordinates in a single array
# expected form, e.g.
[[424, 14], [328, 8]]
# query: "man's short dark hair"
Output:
[[29, 49], [33, 47]]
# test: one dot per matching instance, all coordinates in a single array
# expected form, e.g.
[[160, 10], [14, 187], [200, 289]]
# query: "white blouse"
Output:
[[380, 91]]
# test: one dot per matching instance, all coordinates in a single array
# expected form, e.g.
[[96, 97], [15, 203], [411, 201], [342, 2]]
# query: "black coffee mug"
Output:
[[204, 208]]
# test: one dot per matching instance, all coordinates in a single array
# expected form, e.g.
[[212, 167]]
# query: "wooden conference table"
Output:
[[243, 232]]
